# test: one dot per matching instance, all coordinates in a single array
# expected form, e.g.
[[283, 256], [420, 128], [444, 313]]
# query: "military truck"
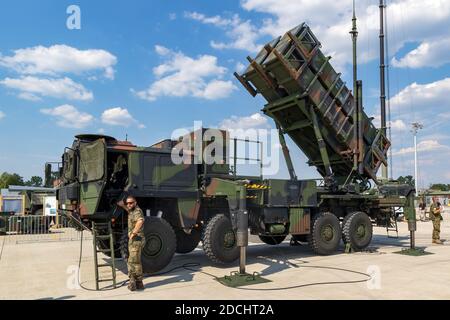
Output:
[[194, 201]]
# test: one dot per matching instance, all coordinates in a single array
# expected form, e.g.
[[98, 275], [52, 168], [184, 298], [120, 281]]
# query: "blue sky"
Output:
[[146, 68]]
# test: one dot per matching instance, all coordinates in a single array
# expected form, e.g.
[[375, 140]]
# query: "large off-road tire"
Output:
[[344, 221], [187, 242], [357, 230], [219, 240], [272, 240], [325, 233], [159, 248]]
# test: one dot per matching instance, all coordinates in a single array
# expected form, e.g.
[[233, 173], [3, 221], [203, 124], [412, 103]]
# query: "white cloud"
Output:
[[254, 121], [182, 76], [330, 20], [59, 59], [2, 115], [243, 34], [172, 16], [396, 125], [399, 125], [120, 117], [427, 96], [29, 96], [162, 51], [67, 116], [240, 67], [33, 88], [433, 53], [217, 89], [217, 21], [425, 145]]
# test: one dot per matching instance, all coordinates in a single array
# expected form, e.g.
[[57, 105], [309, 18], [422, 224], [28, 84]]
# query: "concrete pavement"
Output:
[[47, 270]]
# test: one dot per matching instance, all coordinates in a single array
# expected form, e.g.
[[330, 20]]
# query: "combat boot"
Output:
[[132, 285], [140, 285], [437, 241]]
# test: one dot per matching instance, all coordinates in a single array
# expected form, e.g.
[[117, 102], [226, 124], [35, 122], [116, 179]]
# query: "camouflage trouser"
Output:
[[134, 260], [436, 228]]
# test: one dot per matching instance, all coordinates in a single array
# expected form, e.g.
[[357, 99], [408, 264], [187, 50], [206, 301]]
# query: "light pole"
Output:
[[416, 126]]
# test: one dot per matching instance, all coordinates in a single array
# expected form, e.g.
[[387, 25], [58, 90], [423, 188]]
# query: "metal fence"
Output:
[[28, 229]]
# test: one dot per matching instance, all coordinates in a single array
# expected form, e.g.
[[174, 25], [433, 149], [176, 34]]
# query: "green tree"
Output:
[[35, 181], [407, 180], [10, 179], [440, 187]]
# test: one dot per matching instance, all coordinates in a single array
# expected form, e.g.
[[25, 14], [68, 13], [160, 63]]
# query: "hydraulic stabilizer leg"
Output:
[[242, 278], [412, 232], [242, 230], [412, 224], [412, 227]]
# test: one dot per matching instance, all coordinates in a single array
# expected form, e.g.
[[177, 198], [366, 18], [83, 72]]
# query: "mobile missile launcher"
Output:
[[195, 200], [310, 103]]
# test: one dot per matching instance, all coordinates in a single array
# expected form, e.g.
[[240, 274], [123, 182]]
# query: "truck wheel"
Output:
[[219, 240], [187, 242], [272, 240], [325, 233], [344, 221], [358, 230], [160, 244]]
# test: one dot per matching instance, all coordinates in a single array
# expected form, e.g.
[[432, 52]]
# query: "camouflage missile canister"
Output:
[[310, 102]]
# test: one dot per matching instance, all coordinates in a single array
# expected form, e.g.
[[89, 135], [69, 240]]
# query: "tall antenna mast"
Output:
[[354, 34], [384, 171], [389, 128]]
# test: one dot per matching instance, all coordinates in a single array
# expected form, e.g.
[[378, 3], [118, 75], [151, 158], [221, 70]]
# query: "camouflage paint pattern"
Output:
[[135, 246], [156, 172], [91, 175], [225, 188], [299, 221], [134, 262]]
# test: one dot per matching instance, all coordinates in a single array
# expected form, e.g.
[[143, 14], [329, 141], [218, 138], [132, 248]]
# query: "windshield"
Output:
[[69, 163], [92, 161]]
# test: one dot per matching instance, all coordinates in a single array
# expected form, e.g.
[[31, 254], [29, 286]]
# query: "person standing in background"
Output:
[[436, 218], [422, 208]]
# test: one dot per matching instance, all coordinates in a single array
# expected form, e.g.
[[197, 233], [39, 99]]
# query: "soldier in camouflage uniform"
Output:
[[135, 244], [436, 217]]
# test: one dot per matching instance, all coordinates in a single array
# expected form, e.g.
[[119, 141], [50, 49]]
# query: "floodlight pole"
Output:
[[416, 126]]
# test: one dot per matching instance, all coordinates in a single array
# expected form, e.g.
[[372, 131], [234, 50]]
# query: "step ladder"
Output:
[[391, 225], [103, 231]]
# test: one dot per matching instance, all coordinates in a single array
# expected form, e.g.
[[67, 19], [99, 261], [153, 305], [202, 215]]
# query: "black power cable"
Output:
[[369, 277], [188, 266], [79, 272], [185, 266]]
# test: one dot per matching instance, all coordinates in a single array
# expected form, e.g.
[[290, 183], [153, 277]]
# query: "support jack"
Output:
[[242, 278], [236, 279], [415, 252]]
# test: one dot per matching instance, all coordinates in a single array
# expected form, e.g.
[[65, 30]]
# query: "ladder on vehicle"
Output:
[[391, 225], [103, 231]]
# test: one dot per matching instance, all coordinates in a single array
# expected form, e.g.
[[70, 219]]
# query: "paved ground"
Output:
[[46, 271]]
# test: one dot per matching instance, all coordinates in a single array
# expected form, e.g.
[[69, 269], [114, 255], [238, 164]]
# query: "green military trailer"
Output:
[[195, 200]]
